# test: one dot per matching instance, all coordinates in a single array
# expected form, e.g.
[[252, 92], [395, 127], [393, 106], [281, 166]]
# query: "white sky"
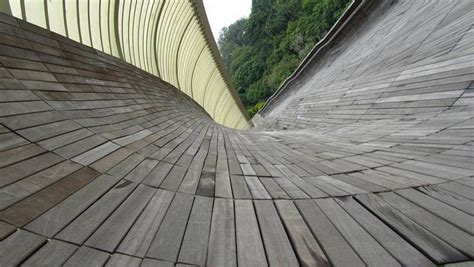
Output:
[[222, 13]]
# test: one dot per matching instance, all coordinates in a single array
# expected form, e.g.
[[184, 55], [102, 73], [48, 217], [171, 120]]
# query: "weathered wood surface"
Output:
[[367, 161]]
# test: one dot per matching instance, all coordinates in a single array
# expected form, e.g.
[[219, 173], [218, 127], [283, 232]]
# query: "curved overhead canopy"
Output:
[[168, 38]]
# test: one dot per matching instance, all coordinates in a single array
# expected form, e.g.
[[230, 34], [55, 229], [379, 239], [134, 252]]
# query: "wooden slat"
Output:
[[168, 239], [123, 260], [277, 245], [339, 252], [307, 248], [18, 246], [85, 256], [438, 250], [366, 246], [446, 231], [54, 253], [222, 246], [83, 226], [250, 250], [140, 236], [195, 242], [52, 221], [111, 232], [399, 248]]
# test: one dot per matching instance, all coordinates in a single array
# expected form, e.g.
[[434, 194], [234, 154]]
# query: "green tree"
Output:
[[261, 51]]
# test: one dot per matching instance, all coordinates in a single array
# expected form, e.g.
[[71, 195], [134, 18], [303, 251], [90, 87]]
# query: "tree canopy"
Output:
[[261, 51]]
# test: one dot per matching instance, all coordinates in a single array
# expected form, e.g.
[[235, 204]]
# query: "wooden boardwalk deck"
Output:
[[368, 162]]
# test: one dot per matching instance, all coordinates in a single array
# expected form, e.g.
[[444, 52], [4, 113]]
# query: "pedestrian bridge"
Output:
[[121, 141]]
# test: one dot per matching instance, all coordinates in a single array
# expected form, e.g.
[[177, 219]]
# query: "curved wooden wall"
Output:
[[170, 39]]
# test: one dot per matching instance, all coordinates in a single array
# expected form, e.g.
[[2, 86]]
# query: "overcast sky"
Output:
[[222, 13]]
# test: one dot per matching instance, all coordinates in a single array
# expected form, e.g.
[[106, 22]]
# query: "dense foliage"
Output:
[[261, 51]]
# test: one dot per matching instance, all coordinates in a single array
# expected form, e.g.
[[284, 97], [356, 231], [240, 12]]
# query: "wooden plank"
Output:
[[366, 246], [222, 246], [158, 174], [18, 246], [156, 263], [6, 229], [452, 215], [28, 209], [459, 189], [19, 153], [273, 188], [325, 186], [174, 178], [34, 183], [207, 183], [223, 185], [111, 232], [126, 166], [250, 250], [95, 154], [54, 253], [20, 170], [142, 170], [341, 185], [86, 256], [339, 252], [446, 231], [292, 190], [239, 187], [455, 201], [83, 226], [277, 245], [195, 242], [307, 248], [168, 239], [140, 236], [56, 218], [256, 188], [123, 260], [438, 250], [391, 241]]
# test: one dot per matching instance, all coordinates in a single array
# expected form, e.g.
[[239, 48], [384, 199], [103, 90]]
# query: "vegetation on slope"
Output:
[[261, 51]]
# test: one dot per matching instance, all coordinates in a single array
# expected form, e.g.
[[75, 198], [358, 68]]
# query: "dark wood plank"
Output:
[[26, 210], [56, 218]]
